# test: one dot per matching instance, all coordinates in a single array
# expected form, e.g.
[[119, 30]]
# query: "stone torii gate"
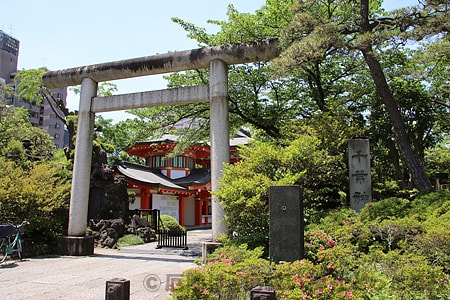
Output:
[[216, 59]]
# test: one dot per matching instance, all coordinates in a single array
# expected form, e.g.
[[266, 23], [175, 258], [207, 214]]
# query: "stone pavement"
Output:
[[149, 270]]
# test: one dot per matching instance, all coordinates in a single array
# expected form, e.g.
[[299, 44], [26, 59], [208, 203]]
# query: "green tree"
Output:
[[320, 27], [38, 194], [258, 99], [31, 88], [255, 99], [304, 161], [33, 186], [6, 91], [19, 140], [115, 138]]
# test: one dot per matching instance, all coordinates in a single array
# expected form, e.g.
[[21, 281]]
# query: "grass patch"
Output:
[[129, 240]]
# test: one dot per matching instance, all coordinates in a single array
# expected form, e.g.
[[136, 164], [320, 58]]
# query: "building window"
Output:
[[57, 125], [57, 136], [178, 162], [159, 161], [191, 163]]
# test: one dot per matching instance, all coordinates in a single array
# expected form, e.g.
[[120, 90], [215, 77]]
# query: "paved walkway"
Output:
[[149, 270]]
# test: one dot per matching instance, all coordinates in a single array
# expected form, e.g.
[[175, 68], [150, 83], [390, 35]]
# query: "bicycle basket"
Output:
[[7, 230]]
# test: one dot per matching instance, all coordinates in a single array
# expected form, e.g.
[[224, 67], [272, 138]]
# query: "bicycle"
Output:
[[11, 240]]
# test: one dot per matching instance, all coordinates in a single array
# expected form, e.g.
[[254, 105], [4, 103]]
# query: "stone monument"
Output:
[[286, 229], [359, 171]]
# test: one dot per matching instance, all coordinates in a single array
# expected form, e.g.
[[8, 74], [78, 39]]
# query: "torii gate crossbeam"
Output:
[[216, 59]]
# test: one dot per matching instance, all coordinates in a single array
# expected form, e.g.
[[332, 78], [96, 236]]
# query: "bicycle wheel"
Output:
[[3, 252]]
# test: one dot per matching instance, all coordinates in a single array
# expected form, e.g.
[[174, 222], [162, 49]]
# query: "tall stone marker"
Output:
[[359, 169], [286, 231]]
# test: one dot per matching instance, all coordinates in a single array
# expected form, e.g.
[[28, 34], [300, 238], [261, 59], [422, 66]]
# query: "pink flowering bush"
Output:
[[230, 273], [348, 255], [304, 280]]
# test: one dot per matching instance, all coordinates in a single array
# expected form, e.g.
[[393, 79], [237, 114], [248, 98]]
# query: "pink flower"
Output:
[[349, 294], [331, 243], [368, 287], [330, 287], [205, 292], [319, 292]]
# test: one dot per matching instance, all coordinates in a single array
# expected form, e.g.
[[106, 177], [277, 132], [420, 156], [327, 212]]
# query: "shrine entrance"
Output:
[[216, 59]]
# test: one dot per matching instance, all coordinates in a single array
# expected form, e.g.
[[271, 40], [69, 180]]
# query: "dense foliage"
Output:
[[38, 194], [393, 249], [19, 140], [346, 61], [244, 192], [169, 223], [34, 186]]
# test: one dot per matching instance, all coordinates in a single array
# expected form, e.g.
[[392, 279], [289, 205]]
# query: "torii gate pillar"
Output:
[[77, 243], [79, 196], [220, 138]]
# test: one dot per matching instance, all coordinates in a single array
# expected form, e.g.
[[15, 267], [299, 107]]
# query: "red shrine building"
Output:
[[177, 185]]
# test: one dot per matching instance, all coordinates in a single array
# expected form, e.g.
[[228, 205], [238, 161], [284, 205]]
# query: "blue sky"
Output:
[[63, 34]]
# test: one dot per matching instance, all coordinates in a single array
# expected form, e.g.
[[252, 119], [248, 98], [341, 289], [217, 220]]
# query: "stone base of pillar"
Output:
[[76, 245], [208, 248]]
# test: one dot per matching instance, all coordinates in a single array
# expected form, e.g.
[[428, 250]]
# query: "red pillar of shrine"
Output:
[[145, 199], [198, 210], [181, 210]]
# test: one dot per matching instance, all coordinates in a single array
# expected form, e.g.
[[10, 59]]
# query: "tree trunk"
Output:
[[412, 162]]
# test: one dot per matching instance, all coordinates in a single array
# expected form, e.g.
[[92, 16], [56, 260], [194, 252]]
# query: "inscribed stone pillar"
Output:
[[220, 143], [79, 197], [286, 229], [359, 169]]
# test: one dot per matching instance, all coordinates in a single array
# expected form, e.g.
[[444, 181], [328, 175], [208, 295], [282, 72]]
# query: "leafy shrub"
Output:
[[346, 257], [411, 276], [230, 273], [305, 280], [344, 227], [129, 240], [428, 203], [435, 247], [39, 195], [383, 209], [170, 223], [390, 232], [244, 192]]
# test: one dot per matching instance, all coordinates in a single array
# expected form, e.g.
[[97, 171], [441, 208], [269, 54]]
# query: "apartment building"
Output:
[[42, 115]]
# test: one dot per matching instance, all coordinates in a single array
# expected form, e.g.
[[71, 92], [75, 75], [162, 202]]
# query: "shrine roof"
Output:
[[146, 175], [197, 177], [154, 177]]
